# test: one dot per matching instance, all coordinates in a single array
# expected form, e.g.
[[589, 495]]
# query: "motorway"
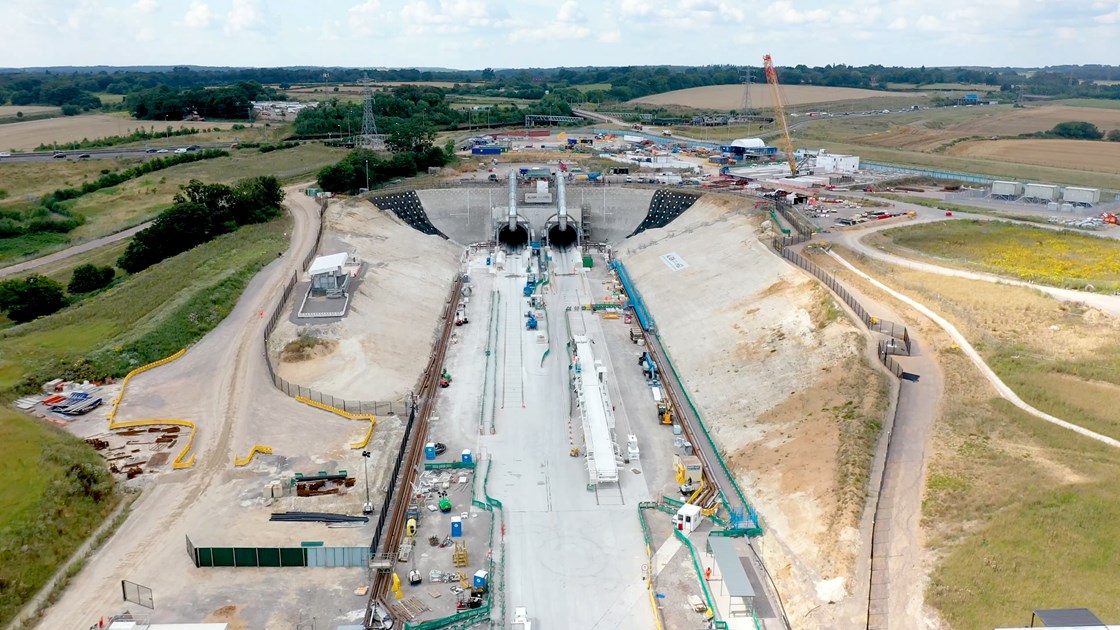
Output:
[[96, 154]]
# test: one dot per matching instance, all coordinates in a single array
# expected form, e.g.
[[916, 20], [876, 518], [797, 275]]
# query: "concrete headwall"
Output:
[[468, 215]]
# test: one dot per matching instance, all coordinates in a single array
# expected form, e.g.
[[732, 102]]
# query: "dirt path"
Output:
[[213, 385], [27, 265], [896, 574], [854, 240]]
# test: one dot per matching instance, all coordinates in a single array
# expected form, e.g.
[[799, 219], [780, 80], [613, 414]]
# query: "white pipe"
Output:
[[512, 200], [562, 207]]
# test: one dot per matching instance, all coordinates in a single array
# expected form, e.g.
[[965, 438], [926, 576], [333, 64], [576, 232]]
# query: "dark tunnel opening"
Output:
[[517, 237], [561, 238]]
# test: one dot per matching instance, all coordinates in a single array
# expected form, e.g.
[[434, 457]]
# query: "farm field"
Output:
[[10, 111], [979, 88], [996, 473], [1088, 155], [25, 136], [1099, 103], [729, 97]]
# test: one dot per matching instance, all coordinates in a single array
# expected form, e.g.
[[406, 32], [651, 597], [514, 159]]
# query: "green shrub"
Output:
[[24, 299], [89, 277]]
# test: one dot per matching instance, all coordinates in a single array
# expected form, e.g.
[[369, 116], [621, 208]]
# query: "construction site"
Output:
[[588, 379]]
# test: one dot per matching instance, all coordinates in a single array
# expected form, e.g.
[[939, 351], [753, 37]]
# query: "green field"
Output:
[[1019, 513], [113, 209], [593, 86], [55, 493], [147, 316], [1057, 258]]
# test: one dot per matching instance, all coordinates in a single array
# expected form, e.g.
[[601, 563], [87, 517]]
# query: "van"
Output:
[[629, 179]]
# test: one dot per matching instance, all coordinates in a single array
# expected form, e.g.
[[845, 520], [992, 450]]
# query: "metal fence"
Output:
[[252, 557], [137, 593], [897, 332], [294, 390]]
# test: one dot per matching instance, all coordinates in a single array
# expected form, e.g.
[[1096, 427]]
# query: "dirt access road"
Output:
[[222, 384], [28, 265]]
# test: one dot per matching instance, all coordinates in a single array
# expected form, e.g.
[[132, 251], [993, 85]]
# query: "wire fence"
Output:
[[377, 408]]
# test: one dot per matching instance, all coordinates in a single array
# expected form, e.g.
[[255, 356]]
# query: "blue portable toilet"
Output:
[[430, 451], [531, 324], [467, 457], [487, 261], [480, 579], [456, 527]]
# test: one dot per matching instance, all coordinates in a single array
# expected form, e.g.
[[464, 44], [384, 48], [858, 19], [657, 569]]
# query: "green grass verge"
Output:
[[56, 491], [1051, 257], [26, 245], [145, 317]]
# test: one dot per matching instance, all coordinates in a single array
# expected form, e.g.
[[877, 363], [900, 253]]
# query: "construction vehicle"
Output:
[[779, 110], [664, 407]]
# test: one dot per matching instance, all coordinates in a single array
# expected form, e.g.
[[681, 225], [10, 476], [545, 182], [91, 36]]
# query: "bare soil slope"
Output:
[[783, 387], [384, 341]]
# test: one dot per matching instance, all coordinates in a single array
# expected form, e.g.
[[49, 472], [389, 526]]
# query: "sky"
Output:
[[474, 34]]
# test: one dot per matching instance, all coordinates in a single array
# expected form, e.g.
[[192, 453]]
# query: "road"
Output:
[[94, 154], [28, 265], [222, 384]]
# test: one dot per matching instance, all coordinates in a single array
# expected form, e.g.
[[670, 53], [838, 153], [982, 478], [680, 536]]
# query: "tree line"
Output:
[[362, 168], [168, 103]]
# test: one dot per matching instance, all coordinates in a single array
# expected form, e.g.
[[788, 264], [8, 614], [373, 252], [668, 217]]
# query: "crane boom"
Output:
[[772, 79]]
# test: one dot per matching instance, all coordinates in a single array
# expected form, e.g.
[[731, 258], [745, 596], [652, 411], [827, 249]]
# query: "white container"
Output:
[[1007, 189], [1044, 192], [1073, 194]]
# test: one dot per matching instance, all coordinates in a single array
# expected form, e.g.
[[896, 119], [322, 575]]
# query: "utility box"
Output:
[[687, 518], [689, 469]]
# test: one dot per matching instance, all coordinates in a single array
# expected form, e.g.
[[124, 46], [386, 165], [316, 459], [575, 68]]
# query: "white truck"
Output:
[[521, 619]]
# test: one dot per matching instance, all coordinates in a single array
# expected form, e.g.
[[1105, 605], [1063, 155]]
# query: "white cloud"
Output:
[[446, 16], [1112, 17], [244, 15], [609, 37], [570, 12], [365, 17], [145, 6], [898, 24], [199, 15]]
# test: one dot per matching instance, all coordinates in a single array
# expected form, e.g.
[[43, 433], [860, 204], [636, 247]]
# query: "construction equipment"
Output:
[[688, 469], [445, 379], [664, 406], [459, 555], [780, 112]]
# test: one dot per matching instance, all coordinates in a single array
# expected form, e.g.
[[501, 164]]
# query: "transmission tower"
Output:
[[369, 139], [746, 104]]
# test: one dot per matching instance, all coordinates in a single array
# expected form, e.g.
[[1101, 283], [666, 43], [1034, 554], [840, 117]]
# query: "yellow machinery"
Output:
[[780, 112], [397, 586], [688, 469], [664, 406], [696, 495], [410, 528]]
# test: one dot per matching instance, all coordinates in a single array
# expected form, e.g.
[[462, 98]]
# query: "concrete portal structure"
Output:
[[328, 278]]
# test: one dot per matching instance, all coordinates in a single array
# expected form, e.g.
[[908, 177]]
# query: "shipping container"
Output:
[[1044, 192], [1006, 189], [1081, 195], [486, 151]]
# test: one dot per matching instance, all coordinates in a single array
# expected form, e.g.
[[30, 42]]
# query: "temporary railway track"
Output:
[[426, 397]]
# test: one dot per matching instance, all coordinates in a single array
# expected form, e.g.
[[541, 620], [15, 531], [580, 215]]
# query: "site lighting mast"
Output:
[[367, 508], [772, 79]]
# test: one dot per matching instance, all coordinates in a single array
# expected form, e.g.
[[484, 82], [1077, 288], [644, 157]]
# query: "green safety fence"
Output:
[[700, 575], [751, 531], [446, 465], [477, 615], [778, 223]]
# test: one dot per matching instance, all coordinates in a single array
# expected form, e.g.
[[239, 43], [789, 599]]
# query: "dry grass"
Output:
[[34, 179], [1018, 513], [729, 97], [1083, 154], [10, 111], [25, 136]]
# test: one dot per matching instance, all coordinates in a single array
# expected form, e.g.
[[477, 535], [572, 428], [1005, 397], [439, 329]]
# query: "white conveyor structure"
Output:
[[596, 413], [561, 205], [512, 200]]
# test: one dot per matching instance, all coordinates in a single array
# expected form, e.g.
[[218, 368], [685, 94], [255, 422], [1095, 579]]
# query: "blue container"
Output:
[[430, 451], [487, 261], [456, 527], [467, 457], [480, 579]]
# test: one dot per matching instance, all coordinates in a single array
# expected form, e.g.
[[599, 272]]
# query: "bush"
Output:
[[71, 110], [1077, 130], [1113, 136], [89, 278], [28, 298]]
